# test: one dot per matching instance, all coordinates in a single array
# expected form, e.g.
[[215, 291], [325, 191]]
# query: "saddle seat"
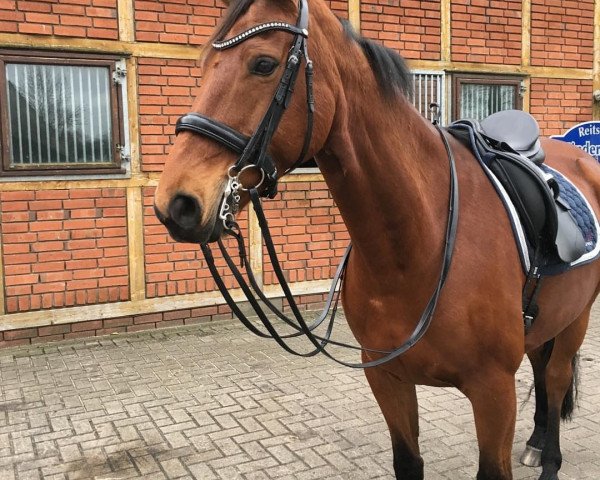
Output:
[[507, 144], [517, 130]]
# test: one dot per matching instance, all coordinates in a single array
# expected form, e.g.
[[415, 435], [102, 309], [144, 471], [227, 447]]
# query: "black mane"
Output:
[[390, 69], [235, 10]]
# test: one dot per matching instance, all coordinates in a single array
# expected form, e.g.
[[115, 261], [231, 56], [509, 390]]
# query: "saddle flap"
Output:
[[570, 243], [533, 199]]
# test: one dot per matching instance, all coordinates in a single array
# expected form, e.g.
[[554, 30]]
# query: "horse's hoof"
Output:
[[532, 457]]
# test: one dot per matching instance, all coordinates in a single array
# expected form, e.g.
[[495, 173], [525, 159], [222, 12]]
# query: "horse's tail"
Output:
[[570, 400]]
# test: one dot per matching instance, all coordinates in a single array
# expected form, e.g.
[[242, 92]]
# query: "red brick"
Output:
[[86, 326], [149, 318], [54, 330], [20, 334]]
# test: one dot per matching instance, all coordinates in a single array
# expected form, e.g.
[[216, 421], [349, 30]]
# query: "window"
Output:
[[478, 96], [61, 113], [429, 87]]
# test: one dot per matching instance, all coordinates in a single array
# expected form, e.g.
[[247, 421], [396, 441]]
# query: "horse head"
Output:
[[246, 128]]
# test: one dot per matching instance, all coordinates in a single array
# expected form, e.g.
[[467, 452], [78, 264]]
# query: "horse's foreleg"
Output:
[[398, 402], [495, 407], [559, 391]]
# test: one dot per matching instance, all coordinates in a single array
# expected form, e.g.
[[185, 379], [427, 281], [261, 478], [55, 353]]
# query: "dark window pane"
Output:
[[478, 101], [59, 114]]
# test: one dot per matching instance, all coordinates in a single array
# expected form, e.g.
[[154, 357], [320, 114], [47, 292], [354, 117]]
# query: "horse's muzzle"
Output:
[[184, 221]]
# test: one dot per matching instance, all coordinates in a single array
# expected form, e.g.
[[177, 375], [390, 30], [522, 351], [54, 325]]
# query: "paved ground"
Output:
[[214, 402]]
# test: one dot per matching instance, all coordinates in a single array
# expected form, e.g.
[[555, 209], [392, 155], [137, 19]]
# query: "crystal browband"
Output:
[[258, 29]]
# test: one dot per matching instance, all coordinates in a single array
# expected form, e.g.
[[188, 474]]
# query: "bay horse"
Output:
[[387, 170]]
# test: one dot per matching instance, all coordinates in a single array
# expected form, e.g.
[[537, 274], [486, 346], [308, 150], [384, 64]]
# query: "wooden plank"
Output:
[[535, 72], [138, 49], [126, 23], [526, 33], [354, 14], [133, 116], [137, 180], [255, 246], [527, 94], [2, 292], [135, 236], [139, 307], [446, 30]]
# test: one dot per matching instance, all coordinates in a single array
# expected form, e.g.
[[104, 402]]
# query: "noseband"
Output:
[[252, 150]]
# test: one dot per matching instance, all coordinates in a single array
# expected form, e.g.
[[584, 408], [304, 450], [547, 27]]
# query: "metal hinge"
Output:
[[119, 75], [123, 153], [522, 89]]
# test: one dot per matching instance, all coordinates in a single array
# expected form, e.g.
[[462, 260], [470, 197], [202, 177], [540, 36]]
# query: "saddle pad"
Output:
[[580, 210]]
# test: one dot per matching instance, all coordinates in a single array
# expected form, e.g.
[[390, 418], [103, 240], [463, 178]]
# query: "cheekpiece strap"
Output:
[[257, 30]]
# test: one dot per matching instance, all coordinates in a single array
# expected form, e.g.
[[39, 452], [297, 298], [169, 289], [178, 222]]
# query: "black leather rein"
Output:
[[253, 154]]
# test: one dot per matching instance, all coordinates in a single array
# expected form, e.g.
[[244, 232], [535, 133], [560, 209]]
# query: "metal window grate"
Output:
[[59, 114], [480, 100], [429, 87]]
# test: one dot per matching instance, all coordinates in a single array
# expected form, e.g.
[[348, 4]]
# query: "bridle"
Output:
[[253, 150], [253, 154]]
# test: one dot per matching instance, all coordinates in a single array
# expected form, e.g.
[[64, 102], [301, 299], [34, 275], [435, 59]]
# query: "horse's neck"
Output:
[[388, 173]]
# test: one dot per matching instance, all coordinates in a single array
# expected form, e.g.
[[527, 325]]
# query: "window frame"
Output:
[[41, 57], [460, 78]]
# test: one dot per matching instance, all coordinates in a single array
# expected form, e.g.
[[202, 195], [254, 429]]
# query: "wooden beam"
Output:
[[135, 236], [137, 49], [59, 316], [2, 292], [446, 30], [136, 180], [255, 246], [160, 50], [526, 33], [535, 72], [133, 116], [126, 22], [354, 14], [527, 94]]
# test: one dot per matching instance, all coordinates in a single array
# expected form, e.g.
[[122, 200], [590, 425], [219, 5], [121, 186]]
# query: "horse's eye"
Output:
[[264, 66]]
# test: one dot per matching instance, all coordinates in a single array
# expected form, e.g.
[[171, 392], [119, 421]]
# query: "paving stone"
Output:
[[214, 402]]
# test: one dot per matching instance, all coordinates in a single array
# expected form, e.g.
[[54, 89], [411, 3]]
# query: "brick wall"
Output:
[[339, 7], [69, 247], [412, 28], [74, 18], [174, 268], [486, 32], [64, 247], [562, 33], [166, 91], [559, 104], [308, 232], [176, 21]]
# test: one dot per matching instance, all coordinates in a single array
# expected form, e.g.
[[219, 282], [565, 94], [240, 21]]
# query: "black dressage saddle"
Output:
[[507, 143]]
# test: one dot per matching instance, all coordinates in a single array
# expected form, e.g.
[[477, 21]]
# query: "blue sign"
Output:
[[585, 136]]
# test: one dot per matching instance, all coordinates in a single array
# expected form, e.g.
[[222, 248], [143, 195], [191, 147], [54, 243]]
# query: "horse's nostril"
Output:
[[185, 211]]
